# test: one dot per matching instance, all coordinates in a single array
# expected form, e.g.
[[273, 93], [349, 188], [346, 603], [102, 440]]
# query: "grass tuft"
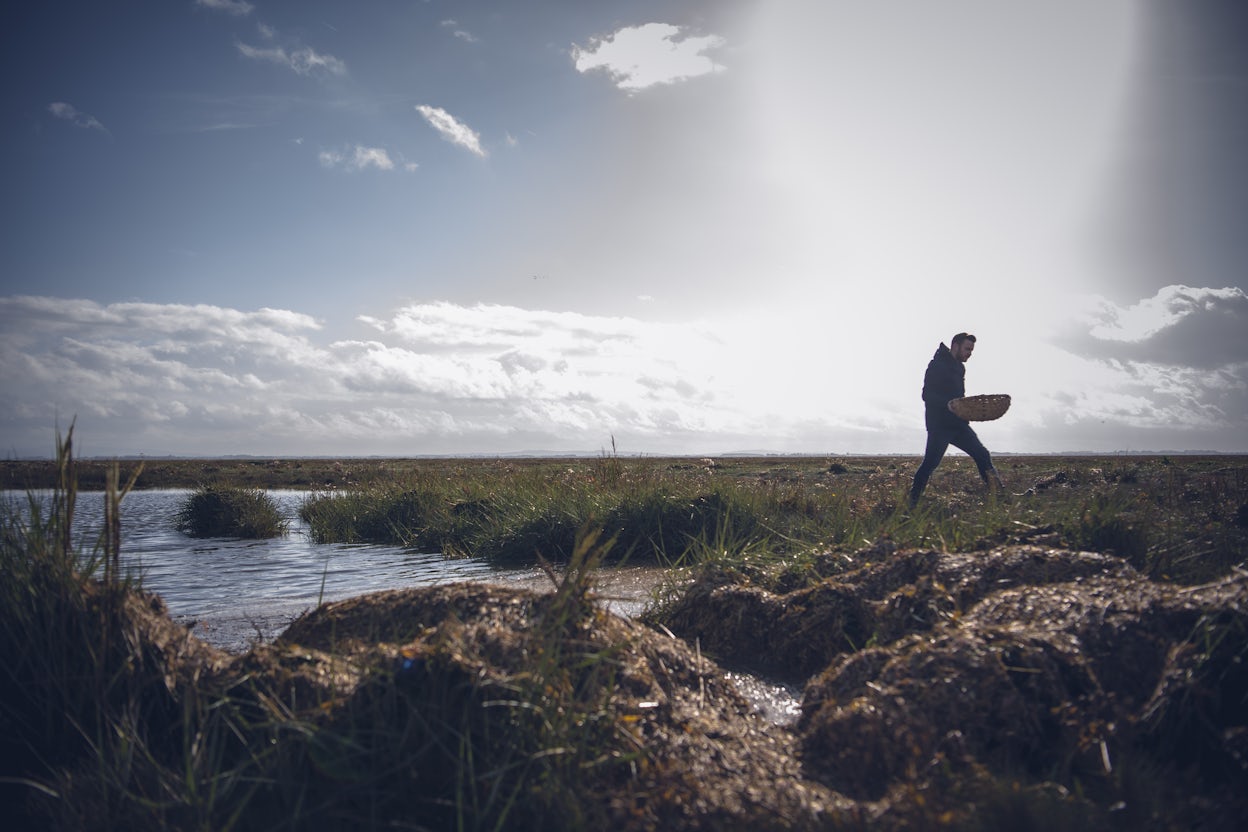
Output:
[[227, 511]]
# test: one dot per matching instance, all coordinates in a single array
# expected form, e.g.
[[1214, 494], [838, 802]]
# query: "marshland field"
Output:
[[1068, 652]]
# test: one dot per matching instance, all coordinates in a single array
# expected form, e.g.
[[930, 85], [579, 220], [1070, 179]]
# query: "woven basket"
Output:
[[981, 408]]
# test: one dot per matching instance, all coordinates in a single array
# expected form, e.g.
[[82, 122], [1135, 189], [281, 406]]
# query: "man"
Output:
[[944, 381]]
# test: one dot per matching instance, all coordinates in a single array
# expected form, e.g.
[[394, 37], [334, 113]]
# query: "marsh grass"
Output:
[[106, 717], [229, 511], [71, 685], [113, 717], [1178, 521]]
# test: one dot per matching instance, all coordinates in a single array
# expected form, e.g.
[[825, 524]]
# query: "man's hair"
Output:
[[960, 337]]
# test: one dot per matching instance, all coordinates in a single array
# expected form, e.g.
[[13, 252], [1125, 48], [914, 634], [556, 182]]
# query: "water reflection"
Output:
[[237, 591]]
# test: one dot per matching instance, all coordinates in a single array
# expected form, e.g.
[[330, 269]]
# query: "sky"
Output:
[[410, 227]]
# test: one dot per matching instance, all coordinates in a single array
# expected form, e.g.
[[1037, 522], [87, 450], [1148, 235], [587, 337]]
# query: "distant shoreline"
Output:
[[348, 472]]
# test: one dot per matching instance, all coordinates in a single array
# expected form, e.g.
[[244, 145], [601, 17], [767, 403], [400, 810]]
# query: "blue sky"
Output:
[[303, 228]]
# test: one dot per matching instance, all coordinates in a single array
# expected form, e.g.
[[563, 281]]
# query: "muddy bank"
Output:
[[1021, 687], [796, 634], [949, 675], [661, 739]]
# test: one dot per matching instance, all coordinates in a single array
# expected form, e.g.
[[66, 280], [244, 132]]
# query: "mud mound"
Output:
[[401, 615], [1088, 683], [796, 634], [1024, 688], [441, 677], [885, 715], [1173, 660], [144, 629]]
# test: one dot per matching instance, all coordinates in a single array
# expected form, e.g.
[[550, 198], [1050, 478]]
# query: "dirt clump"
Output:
[[490, 692], [1133, 693], [797, 634], [1020, 682]]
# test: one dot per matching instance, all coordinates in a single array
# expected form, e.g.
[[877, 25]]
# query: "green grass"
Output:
[[1181, 518], [1184, 523]]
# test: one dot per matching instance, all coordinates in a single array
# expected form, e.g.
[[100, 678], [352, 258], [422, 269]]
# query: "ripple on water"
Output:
[[778, 703]]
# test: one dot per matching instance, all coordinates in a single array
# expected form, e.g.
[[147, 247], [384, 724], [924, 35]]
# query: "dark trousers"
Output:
[[939, 438]]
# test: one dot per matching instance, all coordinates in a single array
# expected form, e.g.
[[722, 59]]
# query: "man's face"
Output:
[[963, 350]]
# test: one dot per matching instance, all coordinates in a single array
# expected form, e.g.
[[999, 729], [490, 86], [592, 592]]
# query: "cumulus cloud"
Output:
[[358, 157], [639, 57], [239, 8], [1180, 326], [303, 60], [451, 128], [1167, 372], [439, 377], [494, 326], [70, 113]]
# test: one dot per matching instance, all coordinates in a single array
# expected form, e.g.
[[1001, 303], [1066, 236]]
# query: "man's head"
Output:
[[962, 345]]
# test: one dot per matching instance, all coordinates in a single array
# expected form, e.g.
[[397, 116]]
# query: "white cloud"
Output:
[[462, 34], [638, 57], [224, 126], [303, 60], [451, 128], [70, 113], [1179, 326], [234, 7], [358, 158], [164, 378], [446, 378]]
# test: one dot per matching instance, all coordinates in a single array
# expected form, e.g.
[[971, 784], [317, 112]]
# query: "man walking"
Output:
[[944, 381]]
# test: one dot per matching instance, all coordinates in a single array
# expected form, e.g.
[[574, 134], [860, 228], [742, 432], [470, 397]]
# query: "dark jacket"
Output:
[[945, 379]]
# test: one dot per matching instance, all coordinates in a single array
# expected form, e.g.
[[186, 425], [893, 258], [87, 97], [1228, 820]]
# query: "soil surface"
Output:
[[1020, 685]]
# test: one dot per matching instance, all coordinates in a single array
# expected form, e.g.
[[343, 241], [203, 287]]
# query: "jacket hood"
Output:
[[942, 350]]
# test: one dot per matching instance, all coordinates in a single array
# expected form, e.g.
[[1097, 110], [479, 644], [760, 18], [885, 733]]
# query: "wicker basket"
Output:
[[981, 408]]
